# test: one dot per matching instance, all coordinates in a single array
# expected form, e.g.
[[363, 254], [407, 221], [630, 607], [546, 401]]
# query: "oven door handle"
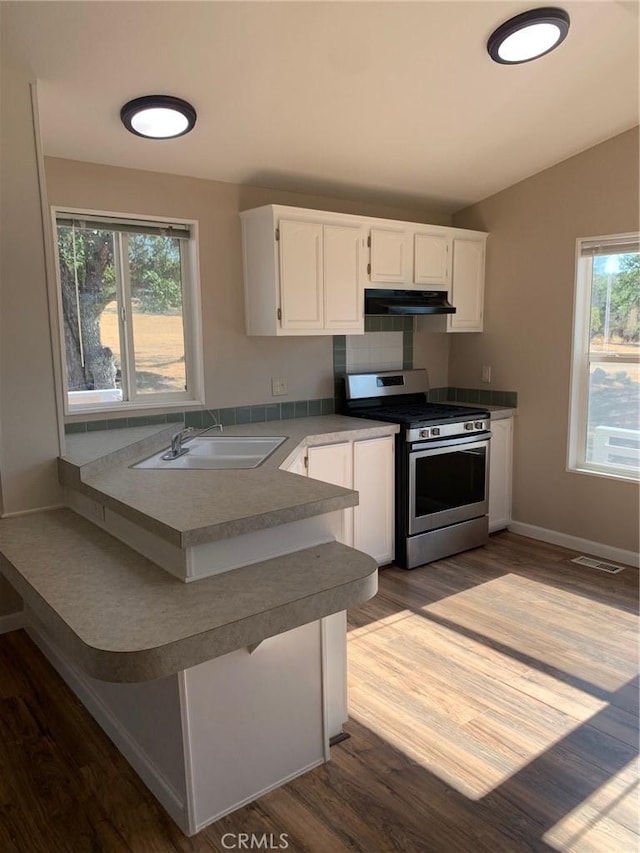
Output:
[[478, 439]]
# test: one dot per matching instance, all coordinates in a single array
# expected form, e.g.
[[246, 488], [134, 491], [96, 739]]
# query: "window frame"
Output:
[[580, 367], [193, 396]]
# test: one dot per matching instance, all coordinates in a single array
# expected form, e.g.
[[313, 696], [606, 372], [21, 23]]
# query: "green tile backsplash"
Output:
[[207, 417], [282, 411], [388, 324], [484, 396]]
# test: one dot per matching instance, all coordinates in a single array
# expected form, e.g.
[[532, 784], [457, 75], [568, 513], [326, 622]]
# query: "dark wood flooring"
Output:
[[494, 707]]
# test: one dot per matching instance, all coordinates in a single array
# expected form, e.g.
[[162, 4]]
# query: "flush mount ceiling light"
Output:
[[528, 36], [158, 117]]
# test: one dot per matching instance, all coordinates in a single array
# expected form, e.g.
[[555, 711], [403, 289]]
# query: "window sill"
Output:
[[130, 409], [607, 475]]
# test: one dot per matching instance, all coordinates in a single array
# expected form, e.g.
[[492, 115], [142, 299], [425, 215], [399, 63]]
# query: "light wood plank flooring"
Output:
[[494, 707]]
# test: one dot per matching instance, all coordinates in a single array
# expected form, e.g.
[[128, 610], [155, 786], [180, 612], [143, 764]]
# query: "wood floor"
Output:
[[494, 707]]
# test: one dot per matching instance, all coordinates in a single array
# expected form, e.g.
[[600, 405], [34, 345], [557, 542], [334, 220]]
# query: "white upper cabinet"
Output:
[[431, 259], [301, 275], [467, 284], [410, 256], [303, 272], [343, 277], [390, 256]]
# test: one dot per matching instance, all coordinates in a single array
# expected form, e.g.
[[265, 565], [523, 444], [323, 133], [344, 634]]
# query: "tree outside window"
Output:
[[122, 295], [606, 371]]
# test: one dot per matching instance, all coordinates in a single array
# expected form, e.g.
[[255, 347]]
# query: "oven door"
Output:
[[448, 482]]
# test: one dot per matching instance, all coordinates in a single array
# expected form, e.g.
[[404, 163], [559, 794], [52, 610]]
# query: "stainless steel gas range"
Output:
[[442, 464]]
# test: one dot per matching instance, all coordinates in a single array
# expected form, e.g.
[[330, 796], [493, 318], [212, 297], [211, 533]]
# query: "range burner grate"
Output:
[[416, 412]]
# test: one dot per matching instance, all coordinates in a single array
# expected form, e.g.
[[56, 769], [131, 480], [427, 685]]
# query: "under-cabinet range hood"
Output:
[[396, 302]]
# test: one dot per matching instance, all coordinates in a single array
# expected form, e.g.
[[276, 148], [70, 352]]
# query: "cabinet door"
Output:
[[301, 275], [343, 281], [431, 259], [390, 256], [297, 464], [373, 478], [467, 286], [332, 463], [500, 473]]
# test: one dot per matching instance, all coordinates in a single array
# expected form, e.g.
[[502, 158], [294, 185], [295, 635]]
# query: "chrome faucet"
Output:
[[215, 425], [176, 444]]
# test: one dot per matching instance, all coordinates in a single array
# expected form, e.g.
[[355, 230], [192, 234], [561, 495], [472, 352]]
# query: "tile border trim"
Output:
[[203, 418]]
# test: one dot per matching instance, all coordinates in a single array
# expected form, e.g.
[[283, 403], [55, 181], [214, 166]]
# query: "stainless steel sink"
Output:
[[218, 452]]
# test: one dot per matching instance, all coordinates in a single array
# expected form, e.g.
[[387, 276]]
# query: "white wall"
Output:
[[530, 278], [28, 422]]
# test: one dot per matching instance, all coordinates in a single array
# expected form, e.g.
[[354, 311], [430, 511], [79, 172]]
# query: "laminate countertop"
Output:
[[121, 618], [187, 507]]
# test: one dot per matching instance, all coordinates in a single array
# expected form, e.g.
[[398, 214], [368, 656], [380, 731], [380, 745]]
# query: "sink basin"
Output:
[[218, 451]]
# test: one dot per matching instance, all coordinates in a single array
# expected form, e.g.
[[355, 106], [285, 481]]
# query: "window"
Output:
[[604, 435], [128, 298]]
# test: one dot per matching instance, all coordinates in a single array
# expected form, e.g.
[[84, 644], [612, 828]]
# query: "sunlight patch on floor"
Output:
[[378, 624], [464, 711], [539, 608], [607, 820]]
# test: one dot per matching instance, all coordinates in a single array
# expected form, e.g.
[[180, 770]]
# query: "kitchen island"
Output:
[[218, 689]]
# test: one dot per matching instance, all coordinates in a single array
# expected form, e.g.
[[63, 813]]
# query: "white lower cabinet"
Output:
[[366, 465], [500, 473], [210, 739], [254, 721], [333, 463], [373, 479]]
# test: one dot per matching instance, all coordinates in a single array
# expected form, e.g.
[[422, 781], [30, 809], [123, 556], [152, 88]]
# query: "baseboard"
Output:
[[143, 765], [21, 512], [575, 543], [12, 622]]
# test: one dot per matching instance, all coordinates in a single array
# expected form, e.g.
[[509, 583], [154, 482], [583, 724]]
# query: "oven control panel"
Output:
[[447, 430]]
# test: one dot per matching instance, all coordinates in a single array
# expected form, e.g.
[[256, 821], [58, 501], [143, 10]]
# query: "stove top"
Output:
[[400, 397], [420, 412], [415, 414]]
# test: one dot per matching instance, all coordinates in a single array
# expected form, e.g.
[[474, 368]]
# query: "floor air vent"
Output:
[[610, 568]]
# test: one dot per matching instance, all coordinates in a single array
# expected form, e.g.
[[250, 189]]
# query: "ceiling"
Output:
[[385, 101]]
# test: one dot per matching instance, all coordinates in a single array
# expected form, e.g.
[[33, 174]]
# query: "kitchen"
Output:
[[239, 369]]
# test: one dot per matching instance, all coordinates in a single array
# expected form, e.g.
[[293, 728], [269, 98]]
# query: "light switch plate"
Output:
[[486, 374], [278, 387]]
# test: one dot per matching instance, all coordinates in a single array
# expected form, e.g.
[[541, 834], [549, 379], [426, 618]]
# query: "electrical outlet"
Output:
[[278, 387], [486, 374]]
